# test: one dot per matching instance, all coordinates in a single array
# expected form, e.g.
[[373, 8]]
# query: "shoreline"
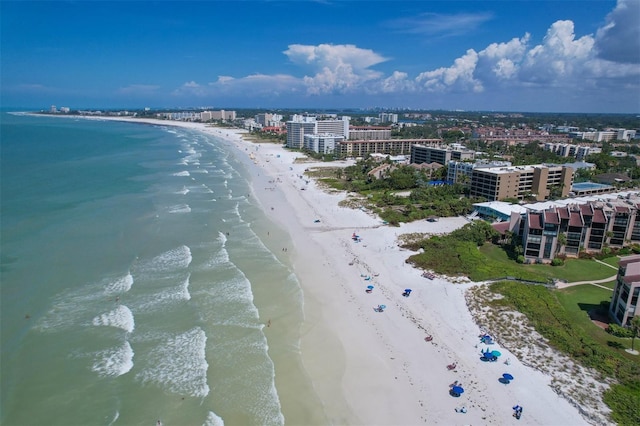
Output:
[[372, 367]]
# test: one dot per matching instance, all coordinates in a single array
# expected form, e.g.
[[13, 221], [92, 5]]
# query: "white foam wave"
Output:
[[213, 420], [119, 285], [114, 361], [183, 191], [174, 294], [182, 173], [179, 364], [115, 418], [221, 257], [179, 208], [120, 317], [177, 258], [222, 238]]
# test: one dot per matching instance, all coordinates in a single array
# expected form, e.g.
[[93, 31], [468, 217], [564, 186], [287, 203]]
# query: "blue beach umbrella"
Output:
[[507, 376], [457, 389], [495, 353], [382, 306], [370, 287]]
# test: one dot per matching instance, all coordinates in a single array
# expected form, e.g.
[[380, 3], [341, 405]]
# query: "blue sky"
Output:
[[503, 55]]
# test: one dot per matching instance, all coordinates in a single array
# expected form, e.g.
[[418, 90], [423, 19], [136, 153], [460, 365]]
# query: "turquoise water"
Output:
[[136, 279]]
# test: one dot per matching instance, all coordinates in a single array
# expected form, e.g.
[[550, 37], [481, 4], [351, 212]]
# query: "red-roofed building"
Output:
[[571, 229], [624, 302]]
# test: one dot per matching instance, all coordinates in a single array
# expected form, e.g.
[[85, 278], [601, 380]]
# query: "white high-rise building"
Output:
[[323, 143], [297, 128], [386, 117], [336, 127]]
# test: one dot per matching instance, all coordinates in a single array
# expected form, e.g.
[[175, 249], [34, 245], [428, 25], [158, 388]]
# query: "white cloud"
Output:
[[441, 24], [458, 77], [338, 68], [561, 65], [255, 85], [499, 62], [560, 56], [619, 39], [398, 82]]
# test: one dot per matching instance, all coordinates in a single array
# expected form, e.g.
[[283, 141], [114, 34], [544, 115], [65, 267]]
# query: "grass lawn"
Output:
[[581, 299], [613, 261], [573, 269]]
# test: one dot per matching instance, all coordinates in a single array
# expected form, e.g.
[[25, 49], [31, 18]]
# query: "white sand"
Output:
[[374, 368]]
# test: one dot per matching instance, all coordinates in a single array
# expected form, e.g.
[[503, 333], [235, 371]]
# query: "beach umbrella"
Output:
[[495, 353], [504, 381], [407, 290], [507, 376], [457, 389], [382, 306], [370, 287]]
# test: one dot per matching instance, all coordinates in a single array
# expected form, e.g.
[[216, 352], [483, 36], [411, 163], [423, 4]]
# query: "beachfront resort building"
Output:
[[299, 126], [572, 228], [365, 133], [439, 154], [461, 171], [361, 148], [324, 143], [520, 182], [624, 302]]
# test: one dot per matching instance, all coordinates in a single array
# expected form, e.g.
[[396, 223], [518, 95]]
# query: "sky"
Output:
[[500, 55]]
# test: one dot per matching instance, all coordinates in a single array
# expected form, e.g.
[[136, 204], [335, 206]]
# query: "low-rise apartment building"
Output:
[[422, 153], [570, 229], [624, 302], [361, 148], [499, 183]]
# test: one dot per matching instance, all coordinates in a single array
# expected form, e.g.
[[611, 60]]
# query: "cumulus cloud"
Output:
[[500, 62], [560, 63], [338, 68], [619, 39], [458, 76], [558, 57]]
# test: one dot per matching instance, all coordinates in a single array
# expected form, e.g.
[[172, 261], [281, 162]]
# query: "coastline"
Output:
[[372, 367]]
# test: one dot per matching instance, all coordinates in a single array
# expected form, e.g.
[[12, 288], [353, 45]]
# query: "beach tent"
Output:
[[456, 391]]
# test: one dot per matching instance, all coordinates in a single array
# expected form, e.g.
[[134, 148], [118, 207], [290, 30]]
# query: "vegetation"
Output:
[[561, 316], [558, 325], [402, 193]]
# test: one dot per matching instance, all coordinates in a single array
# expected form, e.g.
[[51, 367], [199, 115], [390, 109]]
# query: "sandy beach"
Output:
[[376, 368]]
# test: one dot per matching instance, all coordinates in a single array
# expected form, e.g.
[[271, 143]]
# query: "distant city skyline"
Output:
[[528, 56]]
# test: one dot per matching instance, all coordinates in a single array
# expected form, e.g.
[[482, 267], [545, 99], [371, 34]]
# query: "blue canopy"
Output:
[[370, 287], [507, 376], [457, 389], [382, 306], [407, 290], [495, 353]]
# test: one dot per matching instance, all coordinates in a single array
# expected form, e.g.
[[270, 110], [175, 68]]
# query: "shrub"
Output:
[[619, 331], [557, 262]]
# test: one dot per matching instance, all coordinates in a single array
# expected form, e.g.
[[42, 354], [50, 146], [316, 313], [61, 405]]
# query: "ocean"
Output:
[[138, 276]]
